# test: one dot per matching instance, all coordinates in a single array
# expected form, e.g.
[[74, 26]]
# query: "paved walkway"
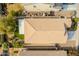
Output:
[[43, 53], [77, 34]]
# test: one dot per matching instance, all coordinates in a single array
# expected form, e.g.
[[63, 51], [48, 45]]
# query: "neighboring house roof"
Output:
[[65, 13], [40, 7], [49, 7], [77, 11], [69, 6], [45, 31]]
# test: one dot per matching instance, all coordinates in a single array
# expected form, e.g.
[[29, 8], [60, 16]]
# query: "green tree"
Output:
[[15, 9], [8, 26], [8, 23]]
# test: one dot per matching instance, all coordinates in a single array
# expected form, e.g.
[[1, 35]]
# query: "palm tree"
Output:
[[8, 24], [7, 27]]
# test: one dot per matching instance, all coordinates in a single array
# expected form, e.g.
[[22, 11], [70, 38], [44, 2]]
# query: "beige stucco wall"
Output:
[[44, 31]]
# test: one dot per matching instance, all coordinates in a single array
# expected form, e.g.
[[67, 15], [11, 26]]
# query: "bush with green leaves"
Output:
[[1, 40], [17, 44], [76, 20], [75, 27], [5, 46]]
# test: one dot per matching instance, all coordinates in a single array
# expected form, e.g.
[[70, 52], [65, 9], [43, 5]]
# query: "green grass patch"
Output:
[[20, 36]]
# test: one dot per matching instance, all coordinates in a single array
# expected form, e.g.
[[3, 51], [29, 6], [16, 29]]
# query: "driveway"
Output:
[[26, 52]]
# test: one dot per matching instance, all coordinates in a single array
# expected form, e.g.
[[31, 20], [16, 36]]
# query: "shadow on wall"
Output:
[[78, 47]]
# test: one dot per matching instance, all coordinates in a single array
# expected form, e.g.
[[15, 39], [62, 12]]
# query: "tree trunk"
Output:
[[5, 38]]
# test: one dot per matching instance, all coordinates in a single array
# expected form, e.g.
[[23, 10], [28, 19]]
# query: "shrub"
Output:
[[5, 46], [76, 20], [17, 45], [75, 27], [73, 52], [15, 51]]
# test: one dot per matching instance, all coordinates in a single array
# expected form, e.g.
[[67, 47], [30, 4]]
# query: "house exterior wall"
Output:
[[21, 26]]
